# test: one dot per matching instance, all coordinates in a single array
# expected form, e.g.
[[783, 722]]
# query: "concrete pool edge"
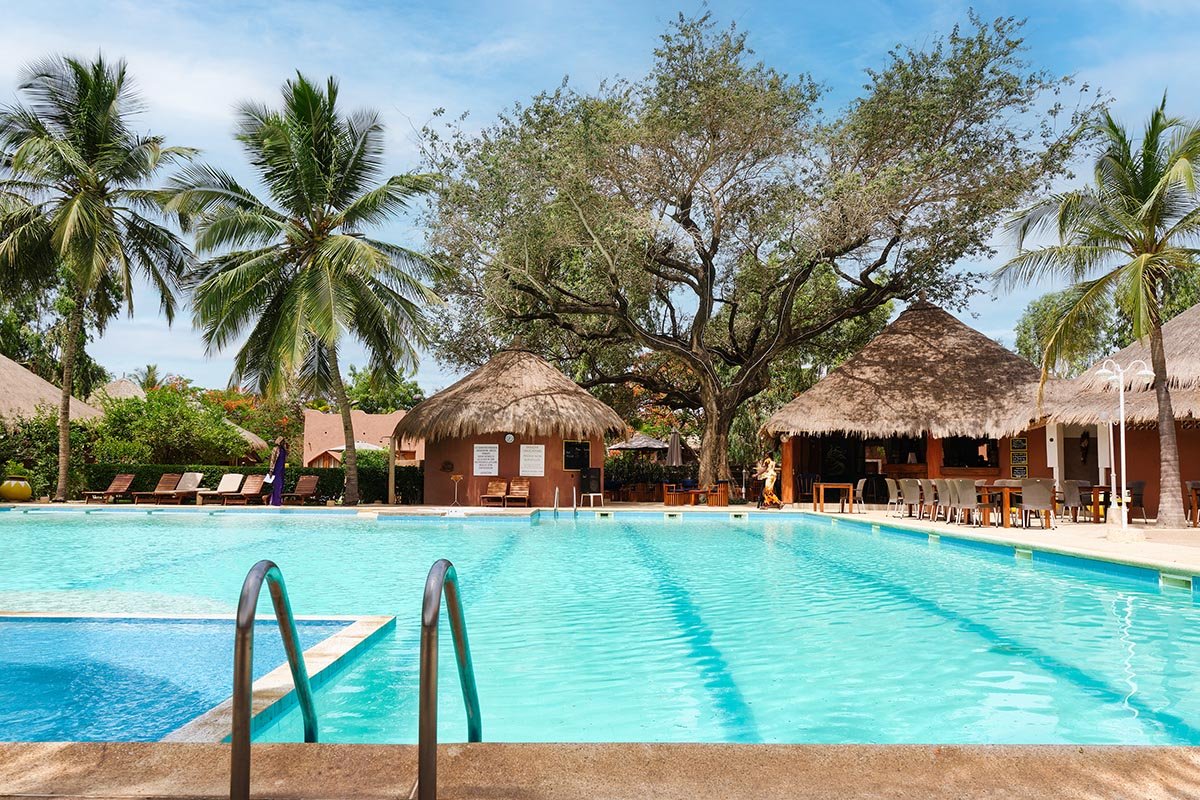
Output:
[[615, 771], [273, 693]]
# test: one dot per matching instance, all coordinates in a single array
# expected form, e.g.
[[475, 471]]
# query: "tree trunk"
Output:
[[70, 348], [1170, 488], [714, 441], [349, 455]]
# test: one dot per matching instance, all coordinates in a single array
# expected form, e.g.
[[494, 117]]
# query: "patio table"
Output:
[[1006, 493], [845, 490], [1100, 496]]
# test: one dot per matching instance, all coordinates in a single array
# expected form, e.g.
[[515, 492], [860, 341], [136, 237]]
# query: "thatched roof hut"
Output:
[[24, 393], [1092, 399], [119, 389], [926, 372], [515, 392]]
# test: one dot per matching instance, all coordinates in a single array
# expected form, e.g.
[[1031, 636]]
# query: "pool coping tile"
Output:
[[273, 693]]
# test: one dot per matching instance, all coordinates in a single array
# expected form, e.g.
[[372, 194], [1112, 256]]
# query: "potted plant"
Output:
[[15, 487]]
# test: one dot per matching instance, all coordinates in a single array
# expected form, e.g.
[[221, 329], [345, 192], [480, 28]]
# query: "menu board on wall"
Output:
[[487, 459], [533, 460]]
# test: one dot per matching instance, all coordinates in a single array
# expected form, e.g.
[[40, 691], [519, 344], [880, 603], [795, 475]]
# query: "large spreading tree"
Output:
[[683, 232]]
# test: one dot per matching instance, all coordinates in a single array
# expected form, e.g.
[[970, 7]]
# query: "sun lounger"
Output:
[[251, 492], [518, 493], [188, 487], [166, 484], [117, 489], [230, 483], [494, 496], [306, 489]]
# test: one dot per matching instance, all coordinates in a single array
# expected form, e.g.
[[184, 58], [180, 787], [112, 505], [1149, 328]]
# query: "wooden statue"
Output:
[[767, 473]]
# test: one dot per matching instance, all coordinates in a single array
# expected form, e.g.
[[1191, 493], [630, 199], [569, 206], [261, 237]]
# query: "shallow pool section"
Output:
[[777, 628], [89, 679]]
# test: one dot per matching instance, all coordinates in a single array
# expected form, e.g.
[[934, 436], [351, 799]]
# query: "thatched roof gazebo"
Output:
[[926, 372], [24, 393], [516, 417], [641, 442]]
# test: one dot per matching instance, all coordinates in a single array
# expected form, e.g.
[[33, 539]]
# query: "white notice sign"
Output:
[[533, 460], [487, 459]]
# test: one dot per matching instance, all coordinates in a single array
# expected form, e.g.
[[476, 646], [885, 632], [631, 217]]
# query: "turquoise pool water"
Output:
[[786, 629], [96, 680]]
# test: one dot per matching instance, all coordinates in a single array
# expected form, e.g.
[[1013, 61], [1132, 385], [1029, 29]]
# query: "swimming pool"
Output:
[[96, 680], [772, 629]]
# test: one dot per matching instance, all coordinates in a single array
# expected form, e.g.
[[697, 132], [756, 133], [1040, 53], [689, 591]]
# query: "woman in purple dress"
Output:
[[277, 461]]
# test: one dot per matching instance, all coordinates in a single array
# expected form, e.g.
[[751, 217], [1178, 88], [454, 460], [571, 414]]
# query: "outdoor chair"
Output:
[[893, 490], [857, 496], [968, 501], [518, 493], [928, 498], [718, 495], [306, 489], [494, 496], [165, 486], [251, 492], [1037, 497], [117, 489], [942, 503], [186, 489], [910, 491], [230, 483], [1187, 500], [1073, 501], [1137, 495]]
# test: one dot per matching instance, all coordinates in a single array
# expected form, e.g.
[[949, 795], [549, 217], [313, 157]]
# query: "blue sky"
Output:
[[194, 60]]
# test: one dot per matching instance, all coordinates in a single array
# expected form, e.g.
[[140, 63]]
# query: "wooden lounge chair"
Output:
[[306, 489], [117, 489], [251, 492], [718, 495], [518, 493], [166, 484], [230, 483], [187, 489], [494, 496]]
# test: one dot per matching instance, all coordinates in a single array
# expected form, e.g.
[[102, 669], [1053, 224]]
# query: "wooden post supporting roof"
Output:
[[787, 471]]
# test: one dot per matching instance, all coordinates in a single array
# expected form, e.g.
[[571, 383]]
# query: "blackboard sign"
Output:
[[577, 455]]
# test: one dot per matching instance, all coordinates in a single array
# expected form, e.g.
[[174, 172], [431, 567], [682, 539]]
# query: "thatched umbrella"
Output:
[[640, 442], [926, 372], [24, 393], [1091, 398], [515, 392]]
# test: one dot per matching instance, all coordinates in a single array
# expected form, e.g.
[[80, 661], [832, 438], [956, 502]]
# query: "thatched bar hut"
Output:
[[928, 397], [516, 416], [1089, 404]]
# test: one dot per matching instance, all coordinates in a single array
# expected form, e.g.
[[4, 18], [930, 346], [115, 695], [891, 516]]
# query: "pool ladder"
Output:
[[442, 579]]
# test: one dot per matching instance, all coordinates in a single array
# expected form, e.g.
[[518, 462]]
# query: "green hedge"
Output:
[[372, 480]]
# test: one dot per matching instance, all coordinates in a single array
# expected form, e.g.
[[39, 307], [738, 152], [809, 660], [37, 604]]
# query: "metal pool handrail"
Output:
[[243, 673], [442, 579]]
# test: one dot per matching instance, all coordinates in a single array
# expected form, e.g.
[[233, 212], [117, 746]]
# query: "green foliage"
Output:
[[267, 417], [169, 426], [686, 231], [380, 395], [15, 469], [1094, 335], [630, 468], [33, 443]]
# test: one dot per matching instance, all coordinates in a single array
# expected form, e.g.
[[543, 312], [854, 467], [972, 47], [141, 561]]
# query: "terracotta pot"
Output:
[[15, 489]]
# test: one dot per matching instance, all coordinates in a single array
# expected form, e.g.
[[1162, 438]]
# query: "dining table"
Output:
[[1006, 494], [1099, 500], [846, 491]]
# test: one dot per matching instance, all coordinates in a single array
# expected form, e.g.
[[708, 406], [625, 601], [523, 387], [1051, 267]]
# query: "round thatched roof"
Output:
[[119, 389], [1091, 399], [24, 393], [516, 392], [925, 372]]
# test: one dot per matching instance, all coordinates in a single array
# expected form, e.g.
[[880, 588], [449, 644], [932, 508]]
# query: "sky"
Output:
[[193, 61]]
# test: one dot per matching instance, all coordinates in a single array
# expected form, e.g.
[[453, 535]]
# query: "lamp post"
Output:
[[1112, 371]]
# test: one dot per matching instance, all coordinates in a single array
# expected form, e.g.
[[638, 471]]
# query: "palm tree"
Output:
[[79, 173], [147, 377], [1125, 238], [296, 274]]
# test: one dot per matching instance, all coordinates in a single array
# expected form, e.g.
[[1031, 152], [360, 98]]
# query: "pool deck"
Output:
[[611, 771]]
